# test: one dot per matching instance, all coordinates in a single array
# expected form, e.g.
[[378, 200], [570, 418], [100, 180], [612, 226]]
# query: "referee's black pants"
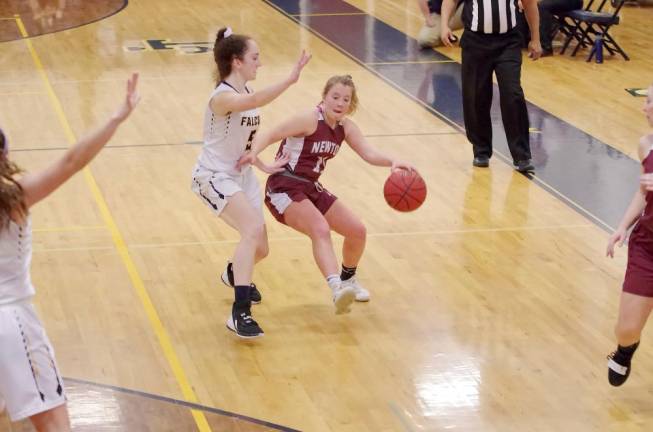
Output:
[[483, 54]]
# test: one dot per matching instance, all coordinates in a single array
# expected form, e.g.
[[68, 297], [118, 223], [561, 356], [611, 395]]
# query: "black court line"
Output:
[[194, 143], [190, 405], [108, 146]]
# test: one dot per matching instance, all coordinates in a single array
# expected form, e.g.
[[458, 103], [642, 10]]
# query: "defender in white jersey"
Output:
[[230, 124], [296, 198], [30, 383]]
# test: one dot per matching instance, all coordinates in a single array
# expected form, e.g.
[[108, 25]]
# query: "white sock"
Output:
[[334, 282]]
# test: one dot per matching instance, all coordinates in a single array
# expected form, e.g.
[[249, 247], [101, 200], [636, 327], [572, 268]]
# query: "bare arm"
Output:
[[424, 8], [301, 124], [448, 7], [533, 18], [634, 210], [39, 185], [370, 154], [223, 103]]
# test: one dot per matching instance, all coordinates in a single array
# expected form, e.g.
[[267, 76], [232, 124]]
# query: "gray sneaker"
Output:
[[343, 297], [362, 295]]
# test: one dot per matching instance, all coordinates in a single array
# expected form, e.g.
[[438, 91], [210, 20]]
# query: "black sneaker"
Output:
[[481, 161], [241, 322], [228, 279], [524, 166], [619, 365]]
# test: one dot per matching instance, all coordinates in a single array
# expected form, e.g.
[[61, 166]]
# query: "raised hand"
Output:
[[131, 99], [297, 70]]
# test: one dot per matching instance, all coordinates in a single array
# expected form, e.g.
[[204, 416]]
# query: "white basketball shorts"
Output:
[[215, 188], [29, 379]]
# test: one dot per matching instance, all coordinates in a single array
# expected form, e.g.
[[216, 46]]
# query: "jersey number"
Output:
[[250, 139], [320, 164]]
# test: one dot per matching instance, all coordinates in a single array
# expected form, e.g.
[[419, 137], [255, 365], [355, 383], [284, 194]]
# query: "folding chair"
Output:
[[567, 26], [591, 24]]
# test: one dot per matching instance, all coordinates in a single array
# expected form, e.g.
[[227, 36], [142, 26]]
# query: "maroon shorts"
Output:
[[639, 272], [281, 191]]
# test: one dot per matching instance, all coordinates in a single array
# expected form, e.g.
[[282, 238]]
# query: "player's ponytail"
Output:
[[228, 46]]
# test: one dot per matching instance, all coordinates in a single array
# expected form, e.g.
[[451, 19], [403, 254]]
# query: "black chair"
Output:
[[566, 25], [588, 25]]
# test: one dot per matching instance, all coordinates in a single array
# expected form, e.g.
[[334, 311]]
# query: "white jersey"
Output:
[[15, 260], [227, 137]]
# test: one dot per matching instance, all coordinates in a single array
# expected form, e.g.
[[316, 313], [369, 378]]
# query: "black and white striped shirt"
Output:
[[490, 16]]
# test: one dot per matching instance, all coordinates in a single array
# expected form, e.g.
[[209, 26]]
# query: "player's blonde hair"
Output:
[[345, 80]]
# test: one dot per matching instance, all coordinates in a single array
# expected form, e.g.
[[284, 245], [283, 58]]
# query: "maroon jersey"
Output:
[[309, 154], [646, 218]]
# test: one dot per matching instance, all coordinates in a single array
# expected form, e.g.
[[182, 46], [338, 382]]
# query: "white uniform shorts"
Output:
[[29, 379], [215, 188]]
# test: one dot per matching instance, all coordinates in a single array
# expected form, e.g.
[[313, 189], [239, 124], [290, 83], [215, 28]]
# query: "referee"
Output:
[[491, 43]]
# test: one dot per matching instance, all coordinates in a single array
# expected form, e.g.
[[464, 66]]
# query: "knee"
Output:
[[252, 233], [319, 230], [358, 231]]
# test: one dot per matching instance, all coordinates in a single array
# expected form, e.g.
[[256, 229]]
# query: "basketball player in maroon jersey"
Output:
[[637, 296], [296, 198]]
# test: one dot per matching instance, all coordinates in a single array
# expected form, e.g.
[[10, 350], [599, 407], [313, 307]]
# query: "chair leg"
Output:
[[581, 39], [573, 34], [568, 38], [616, 46]]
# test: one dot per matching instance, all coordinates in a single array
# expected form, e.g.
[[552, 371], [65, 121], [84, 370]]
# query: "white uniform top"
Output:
[[15, 260], [227, 137]]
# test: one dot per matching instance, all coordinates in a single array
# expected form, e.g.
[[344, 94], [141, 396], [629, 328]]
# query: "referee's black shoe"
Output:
[[524, 166], [481, 161]]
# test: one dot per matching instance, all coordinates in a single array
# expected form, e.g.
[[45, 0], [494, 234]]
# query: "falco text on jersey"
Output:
[[250, 121]]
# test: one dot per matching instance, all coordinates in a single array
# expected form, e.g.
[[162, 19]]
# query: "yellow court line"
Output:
[[409, 62], [137, 281]]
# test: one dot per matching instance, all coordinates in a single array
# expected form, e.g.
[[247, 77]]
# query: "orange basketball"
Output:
[[404, 190]]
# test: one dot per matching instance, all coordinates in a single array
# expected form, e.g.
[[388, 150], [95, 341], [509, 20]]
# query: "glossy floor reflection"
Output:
[[48, 16], [101, 408]]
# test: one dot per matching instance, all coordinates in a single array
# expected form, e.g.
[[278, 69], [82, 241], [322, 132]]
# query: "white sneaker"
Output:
[[362, 295], [343, 298]]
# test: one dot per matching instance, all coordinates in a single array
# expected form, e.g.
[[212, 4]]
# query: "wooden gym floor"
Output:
[[492, 306]]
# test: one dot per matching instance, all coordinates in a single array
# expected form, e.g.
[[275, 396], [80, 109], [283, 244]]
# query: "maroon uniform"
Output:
[[308, 158], [639, 272]]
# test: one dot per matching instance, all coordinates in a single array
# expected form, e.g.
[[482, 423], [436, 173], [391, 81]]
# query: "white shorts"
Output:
[[215, 188], [29, 379]]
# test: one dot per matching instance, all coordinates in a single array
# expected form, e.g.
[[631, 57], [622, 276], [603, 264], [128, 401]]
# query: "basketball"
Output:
[[404, 190]]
